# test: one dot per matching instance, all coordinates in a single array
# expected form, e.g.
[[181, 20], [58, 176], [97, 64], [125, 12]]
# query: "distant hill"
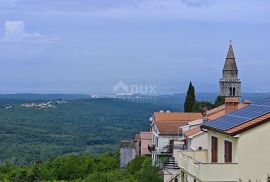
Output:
[[30, 96], [176, 101], [42, 126], [41, 131], [172, 102]]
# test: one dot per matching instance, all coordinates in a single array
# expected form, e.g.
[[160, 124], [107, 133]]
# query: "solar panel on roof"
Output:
[[225, 122], [241, 116], [265, 102]]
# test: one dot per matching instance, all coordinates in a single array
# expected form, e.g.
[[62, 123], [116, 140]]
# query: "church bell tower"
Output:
[[230, 84]]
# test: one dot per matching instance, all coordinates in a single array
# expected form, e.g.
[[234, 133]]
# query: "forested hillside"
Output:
[[94, 126], [34, 129]]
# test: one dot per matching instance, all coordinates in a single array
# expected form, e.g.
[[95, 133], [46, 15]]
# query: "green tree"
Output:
[[190, 101], [220, 100], [23, 173], [148, 173], [135, 165], [199, 105], [121, 175], [97, 177], [67, 167]]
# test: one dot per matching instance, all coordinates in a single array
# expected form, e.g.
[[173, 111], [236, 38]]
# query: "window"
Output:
[[214, 149], [228, 151], [231, 91]]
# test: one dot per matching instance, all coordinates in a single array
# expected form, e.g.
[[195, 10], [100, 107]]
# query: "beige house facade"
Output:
[[238, 153]]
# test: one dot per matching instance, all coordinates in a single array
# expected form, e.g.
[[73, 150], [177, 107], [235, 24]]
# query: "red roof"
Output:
[[212, 114], [220, 111], [170, 123], [177, 116], [145, 135], [193, 131]]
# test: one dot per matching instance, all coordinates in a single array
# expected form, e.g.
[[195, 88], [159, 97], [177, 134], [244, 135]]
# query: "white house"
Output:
[[166, 131]]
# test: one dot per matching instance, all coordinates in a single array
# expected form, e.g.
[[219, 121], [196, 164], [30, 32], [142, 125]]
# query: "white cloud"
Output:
[[17, 43], [14, 31]]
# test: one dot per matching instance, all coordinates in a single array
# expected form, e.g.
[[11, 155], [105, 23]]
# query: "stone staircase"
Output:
[[171, 164]]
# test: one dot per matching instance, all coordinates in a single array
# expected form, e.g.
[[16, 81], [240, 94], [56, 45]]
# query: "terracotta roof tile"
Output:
[[176, 116], [145, 135], [220, 111], [170, 123], [193, 131], [170, 128], [212, 114]]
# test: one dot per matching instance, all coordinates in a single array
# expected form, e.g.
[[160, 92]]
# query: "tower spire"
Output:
[[230, 54], [230, 84], [230, 63]]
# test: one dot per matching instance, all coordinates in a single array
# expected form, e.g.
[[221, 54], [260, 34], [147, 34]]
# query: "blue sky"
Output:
[[87, 46]]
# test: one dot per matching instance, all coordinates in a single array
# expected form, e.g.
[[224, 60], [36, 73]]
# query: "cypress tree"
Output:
[[190, 100]]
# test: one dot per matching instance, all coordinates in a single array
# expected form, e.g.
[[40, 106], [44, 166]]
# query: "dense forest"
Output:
[[82, 168], [81, 126], [90, 126]]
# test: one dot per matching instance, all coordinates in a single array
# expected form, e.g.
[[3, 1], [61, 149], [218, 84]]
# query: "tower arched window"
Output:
[[231, 91]]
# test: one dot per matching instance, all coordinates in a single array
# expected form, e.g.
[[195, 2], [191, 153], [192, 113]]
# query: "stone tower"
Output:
[[230, 84]]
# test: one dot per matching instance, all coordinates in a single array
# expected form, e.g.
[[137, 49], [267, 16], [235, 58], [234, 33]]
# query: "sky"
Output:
[[88, 46]]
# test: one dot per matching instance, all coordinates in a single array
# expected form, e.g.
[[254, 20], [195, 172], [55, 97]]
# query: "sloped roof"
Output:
[[211, 115], [176, 116], [242, 119], [220, 111], [230, 63], [145, 135], [193, 131], [170, 123], [249, 124]]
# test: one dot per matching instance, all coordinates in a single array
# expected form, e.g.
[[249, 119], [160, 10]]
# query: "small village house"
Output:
[[166, 132], [143, 140]]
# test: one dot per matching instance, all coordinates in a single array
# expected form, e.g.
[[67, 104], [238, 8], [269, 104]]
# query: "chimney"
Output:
[[204, 113], [231, 104], [247, 102]]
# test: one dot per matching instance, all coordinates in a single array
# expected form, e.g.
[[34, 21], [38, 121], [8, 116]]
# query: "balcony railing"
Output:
[[167, 150], [195, 164]]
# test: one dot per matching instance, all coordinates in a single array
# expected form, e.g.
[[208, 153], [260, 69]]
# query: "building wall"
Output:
[[127, 154], [200, 140], [251, 150], [144, 147], [161, 141], [221, 149], [254, 153], [225, 87], [164, 141]]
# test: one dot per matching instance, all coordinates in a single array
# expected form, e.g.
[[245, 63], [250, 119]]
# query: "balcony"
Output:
[[167, 150], [195, 164]]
